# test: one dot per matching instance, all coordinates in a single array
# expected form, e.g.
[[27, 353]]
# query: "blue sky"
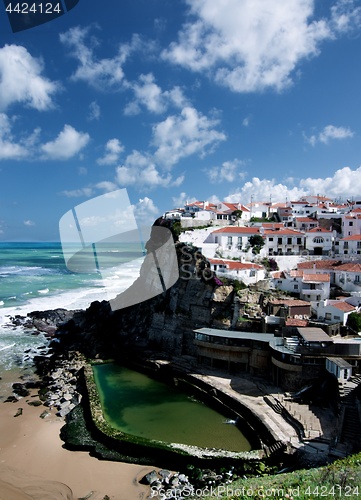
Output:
[[176, 101]]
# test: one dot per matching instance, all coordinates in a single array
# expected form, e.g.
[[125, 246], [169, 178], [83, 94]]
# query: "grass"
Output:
[[341, 479]]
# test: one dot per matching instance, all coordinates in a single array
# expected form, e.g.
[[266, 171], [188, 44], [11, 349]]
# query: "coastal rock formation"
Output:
[[164, 323]]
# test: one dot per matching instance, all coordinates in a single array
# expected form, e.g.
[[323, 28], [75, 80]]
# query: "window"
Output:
[[350, 223], [279, 241], [216, 239], [270, 239], [318, 240], [337, 317], [299, 241], [229, 240], [295, 287], [345, 244], [289, 241]]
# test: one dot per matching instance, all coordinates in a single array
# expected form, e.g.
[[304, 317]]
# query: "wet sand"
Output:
[[33, 461]]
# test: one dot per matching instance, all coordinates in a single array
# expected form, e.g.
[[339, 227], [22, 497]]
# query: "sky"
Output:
[[176, 101]]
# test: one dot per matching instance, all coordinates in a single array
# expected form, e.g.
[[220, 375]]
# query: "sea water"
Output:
[[34, 277]]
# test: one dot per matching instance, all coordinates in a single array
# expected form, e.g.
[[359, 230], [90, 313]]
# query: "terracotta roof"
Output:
[[316, 277], [319, 230], [238, 230], [318, 264], [352, 267], [284, 231], [234, 264], [272, 225], [296, 273], [343, 306], [354, 237], [296, 322], [305, 219]]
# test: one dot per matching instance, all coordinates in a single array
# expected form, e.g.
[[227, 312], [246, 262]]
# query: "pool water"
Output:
[[141, 406]]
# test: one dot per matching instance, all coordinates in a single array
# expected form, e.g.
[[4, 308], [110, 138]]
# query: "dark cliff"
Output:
[[164, 323]]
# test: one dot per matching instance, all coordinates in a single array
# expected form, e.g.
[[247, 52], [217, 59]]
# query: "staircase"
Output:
[[350, 430]]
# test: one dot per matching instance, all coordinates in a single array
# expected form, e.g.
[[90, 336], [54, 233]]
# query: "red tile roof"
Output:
[[343, 306], [296, 322], [234, 264], [237, 230], [316, 277]]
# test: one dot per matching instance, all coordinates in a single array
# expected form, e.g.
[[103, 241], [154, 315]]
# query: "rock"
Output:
[[45, 414], [151, 477], [20, 389], [11, 399], [18, 412], [165, 474], [35, 403]]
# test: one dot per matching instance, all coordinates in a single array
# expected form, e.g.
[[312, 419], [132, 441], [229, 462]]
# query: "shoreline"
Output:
[[33, 461]]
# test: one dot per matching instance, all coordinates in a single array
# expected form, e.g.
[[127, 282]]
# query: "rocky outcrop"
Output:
[[164, 323]]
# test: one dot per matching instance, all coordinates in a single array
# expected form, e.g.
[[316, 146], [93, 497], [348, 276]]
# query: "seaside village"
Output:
[[296, 314]]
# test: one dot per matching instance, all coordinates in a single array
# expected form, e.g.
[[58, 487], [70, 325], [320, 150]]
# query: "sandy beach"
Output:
[[34, 465]]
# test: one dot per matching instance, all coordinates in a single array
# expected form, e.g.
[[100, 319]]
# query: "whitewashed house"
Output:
[[315, 287], [332, 311], [308, 286], [319, 241], [232, 241], [351, 224], [305, 223], [247, 272], [287, 281], [350, 245], [348, 276], [284, 241]]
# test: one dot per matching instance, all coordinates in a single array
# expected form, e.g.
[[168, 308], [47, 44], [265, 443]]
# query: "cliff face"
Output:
[[163, 323]]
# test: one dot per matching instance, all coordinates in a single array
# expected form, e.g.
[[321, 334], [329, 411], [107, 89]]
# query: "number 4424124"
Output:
[[34, 8], [333, 491]]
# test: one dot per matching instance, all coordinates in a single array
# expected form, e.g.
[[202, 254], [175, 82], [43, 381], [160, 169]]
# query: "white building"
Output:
[[348, 276], [232, 241], [332, 311], [247, 272], [319, 241], [350, 245], [285, 241]]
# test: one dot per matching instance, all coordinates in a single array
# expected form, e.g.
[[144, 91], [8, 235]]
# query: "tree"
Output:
[[257, 242], [354, 322]]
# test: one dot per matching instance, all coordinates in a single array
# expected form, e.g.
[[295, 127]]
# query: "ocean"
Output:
[[34, 277]]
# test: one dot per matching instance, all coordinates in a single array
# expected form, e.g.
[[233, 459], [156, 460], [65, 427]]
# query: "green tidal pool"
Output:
[[141, 406]]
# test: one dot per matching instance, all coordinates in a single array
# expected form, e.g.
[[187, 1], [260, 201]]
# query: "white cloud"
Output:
[[68, 143], [21, 80], [344, 183], [330, 132], [140, 170], [250, 45], [94, 111], [113, 149], [10, 149], [264, 190], [145, 211], [228, 171], [29, 223], [183, 135], [148, 94], [106, 186], [87, 192], [99, 73], [182, 199]]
